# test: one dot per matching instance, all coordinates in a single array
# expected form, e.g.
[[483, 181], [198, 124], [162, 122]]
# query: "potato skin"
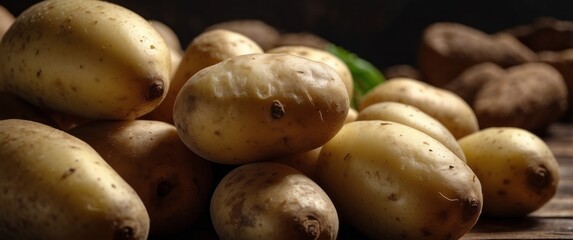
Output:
[[173, 182], [56, 186], [208, 48], [412, 117], [391, 181], [260, 106], [268, 200], [445, 106], [518, 171]]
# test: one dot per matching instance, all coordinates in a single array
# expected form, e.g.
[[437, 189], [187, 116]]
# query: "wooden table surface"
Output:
[[555, 219]]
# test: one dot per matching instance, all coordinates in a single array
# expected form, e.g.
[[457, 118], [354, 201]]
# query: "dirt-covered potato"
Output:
[[173, 182], [529, 96], [205, 50], [563, 62], [445, 106], [391, 181], [269, 200], [449, 48], [470, 81], [321, 56], [412, 116], [259, 31], [517, 170], [260, 106]]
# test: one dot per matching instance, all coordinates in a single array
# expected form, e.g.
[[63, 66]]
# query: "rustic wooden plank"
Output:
[[522, 228]]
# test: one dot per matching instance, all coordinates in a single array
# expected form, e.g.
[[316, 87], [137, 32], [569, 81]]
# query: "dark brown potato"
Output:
[[447, 49], [401, 71], [262, 33], [470, 81], [545, 34], [302, 39], [529, 96], [563, 62]]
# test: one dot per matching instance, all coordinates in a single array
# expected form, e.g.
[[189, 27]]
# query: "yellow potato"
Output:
[[92, 59], [172, 181], [205, 50], [269, 200], [445, 106], [321, 56], [518, 171], [304, 161], [55, 186], [412, 117], [260, 106], [391, 181]]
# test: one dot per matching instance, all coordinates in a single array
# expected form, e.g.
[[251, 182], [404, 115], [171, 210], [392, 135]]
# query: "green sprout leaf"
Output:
[[365, 75]]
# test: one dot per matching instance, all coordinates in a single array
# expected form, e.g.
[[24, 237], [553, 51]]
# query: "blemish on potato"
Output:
[[277, 109], [68, 173]]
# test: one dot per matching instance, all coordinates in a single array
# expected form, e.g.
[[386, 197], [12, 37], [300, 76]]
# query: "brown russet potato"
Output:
[[173, 182], [259, 31], [563, 62], [449, 48], [529, 96], [470, 81]]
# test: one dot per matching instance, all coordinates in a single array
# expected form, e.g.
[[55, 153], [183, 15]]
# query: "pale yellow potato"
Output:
[[56, 186], [391, 181], [412, 116], [352, 115], [304, 161], [443, 105], [92, 59], [6, 20], [173, 182], [208, 48], [321, 56], [518, 171], [260, 106], [268, 200]]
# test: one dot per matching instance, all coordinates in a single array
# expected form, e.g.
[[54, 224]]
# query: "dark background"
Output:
[[385, 32]]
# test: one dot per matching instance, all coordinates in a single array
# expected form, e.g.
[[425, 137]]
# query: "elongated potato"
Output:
[[259, 107], [91, 59], [321, 56], [55, 186], [391, 181], [172, 181], [412, 116], [269, 200], [518, 171], [205, 50], [445, 106]]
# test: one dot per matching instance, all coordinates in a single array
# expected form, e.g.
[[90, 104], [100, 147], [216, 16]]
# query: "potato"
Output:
[[260, 106], [205, 50], [471, 80], [545, 34], [391, 181], [401, 71], [6, 20], [90, 59], [259, 31], [321, 56], [302, 38], [269, 200], [529, 96], [172, 41], [412, 117], [55, 186], [173, 183], [563, 62], [351, 116], [449, 48], [448, 108], [518, 171]]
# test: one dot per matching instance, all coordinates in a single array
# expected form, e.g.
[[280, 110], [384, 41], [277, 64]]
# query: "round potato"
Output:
[[321, 56], [260, 106], [445, 106], [412, 117], [259, 31], [269, 200], [518, 171], [391, 181], [205, 50]]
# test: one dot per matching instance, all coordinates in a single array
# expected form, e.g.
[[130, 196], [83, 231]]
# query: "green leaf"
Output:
[[365, 75]]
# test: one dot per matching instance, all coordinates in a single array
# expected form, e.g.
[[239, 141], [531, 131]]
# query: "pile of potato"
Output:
[[111, 131]]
